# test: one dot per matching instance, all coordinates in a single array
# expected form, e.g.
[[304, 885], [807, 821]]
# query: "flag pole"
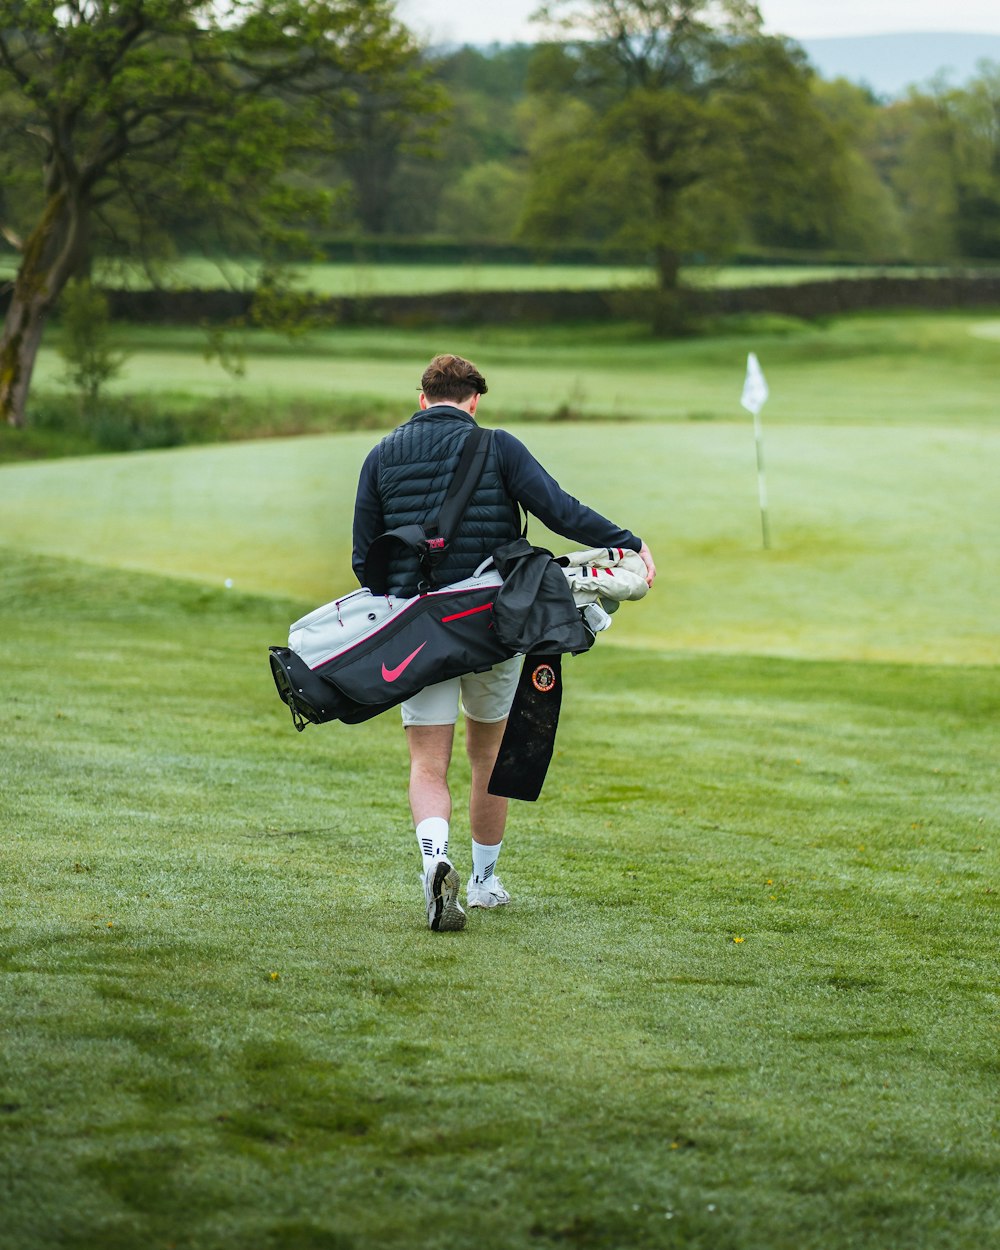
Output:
[[758, 435], [755, 393]]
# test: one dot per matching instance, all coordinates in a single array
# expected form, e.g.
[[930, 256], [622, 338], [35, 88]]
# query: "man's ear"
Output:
[[473, 405], [423, 401]]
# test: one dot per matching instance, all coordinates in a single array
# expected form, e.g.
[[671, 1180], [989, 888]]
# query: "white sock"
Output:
[[432, 838], [484, 860]]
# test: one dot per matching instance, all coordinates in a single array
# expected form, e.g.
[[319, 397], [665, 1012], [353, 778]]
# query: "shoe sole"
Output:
[[444, 912]]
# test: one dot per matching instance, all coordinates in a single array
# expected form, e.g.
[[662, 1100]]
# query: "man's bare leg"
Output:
[[430, 755], [487, 812]]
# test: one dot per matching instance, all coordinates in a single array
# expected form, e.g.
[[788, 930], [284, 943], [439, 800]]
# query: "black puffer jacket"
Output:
[[405, 478], [417, 462]]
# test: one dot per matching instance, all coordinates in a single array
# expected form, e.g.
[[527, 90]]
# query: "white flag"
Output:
[[755, 390]]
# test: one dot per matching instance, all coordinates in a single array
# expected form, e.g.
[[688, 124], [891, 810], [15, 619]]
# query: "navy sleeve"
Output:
[[368, 519], [539, 493]]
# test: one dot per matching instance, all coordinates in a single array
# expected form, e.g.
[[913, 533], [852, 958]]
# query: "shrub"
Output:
[[86, 342]]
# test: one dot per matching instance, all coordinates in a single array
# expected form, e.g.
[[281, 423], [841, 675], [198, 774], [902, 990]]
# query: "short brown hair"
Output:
[[451, 377]]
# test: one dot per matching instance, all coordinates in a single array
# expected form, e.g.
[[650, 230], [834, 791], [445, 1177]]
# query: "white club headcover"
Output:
[[607, 573]]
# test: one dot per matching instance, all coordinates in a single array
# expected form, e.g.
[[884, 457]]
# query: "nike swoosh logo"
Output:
[[390, 674]]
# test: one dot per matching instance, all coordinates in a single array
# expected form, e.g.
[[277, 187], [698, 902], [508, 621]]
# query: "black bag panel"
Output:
[[438, 637], [535, 610], [311, 699], [380, 552]]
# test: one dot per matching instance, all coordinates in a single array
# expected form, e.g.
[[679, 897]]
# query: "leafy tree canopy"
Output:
[[128, 121], [693, 126]]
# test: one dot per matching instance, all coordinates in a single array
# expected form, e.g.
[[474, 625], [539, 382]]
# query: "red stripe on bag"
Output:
[[486, 607]]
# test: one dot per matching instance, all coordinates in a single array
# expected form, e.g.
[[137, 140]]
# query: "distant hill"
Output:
[[888, 64]]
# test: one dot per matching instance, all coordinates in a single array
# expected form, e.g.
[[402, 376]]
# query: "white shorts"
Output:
[[485, 697]]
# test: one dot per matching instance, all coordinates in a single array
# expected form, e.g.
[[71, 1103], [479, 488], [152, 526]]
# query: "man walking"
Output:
[[403, 481]]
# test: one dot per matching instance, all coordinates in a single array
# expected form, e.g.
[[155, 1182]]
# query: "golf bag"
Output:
[[358, 656]]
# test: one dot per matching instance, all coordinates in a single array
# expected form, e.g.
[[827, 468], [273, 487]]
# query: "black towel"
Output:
[[530, 736]]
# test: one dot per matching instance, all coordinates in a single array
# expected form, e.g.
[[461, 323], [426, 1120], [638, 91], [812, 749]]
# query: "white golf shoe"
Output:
[[488, 893], [444, 912]]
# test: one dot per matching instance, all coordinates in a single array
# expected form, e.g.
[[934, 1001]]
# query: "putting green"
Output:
[[885, 541]]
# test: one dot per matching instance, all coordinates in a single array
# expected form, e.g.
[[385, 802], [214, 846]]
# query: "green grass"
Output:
[[366, 279], [745, 997], [225, 1024], [864, 370], [884, 539]]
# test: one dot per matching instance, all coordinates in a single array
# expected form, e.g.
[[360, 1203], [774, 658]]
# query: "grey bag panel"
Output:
[[330, 630]]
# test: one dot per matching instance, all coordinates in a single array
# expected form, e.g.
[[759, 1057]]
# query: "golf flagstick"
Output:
[[754, 397]]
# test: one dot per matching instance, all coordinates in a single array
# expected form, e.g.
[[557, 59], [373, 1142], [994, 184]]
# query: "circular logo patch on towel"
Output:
[[544, 678]]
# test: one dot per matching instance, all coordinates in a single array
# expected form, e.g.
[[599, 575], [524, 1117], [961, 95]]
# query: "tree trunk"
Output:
[[668, 301], [665, 231], [668, 266], [48, 262], [22, 336]]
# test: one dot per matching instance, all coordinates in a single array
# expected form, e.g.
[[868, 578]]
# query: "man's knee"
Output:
[[482, 741], [430, 749]]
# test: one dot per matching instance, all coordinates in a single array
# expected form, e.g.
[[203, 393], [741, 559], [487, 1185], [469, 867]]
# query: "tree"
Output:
[[90, 359], [869, 225], [142, 114], [478, 132], [484, 203], [974, 114], [918, 163], [695, 121], [390, 117], [940, 155], [574, 174]]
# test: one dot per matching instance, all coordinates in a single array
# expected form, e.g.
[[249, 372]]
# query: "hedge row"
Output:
[[843, 295], [806, 299], [376, 251]]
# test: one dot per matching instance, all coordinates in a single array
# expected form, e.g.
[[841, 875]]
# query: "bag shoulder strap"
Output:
[[464, 481], [430, 541]]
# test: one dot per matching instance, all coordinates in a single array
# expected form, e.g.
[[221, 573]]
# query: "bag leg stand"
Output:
[[530, 736]]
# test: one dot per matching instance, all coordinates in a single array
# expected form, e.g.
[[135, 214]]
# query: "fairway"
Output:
[[872, 370], [745, 995]]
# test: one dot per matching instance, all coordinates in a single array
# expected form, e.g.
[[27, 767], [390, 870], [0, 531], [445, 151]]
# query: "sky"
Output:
[[507, 21]]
